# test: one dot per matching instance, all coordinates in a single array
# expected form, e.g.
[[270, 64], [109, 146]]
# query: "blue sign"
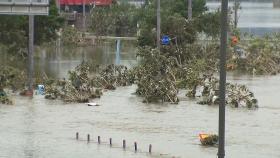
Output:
[[165, 40]]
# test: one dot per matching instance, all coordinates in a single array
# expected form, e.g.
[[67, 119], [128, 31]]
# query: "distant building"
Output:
[[137, 3], [77, 5]]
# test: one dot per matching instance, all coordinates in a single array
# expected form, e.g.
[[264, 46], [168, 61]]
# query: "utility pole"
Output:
[[189, 9], [84, 16], [30, 54], [236, 7], [58, 6], [222, 82], [158, 24]]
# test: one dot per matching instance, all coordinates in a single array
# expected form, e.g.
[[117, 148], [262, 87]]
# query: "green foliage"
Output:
[[11, 77], [70, 36], [13, 34], [260, 56], [87, 82], [173, 21], [155, 78], [4, 99], [209, 23], [46, 26], [179, 7], [177, 27], [14, 30], [117, 20]]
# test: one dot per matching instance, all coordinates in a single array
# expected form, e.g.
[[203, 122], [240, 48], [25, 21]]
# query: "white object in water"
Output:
[[214, 98], [92, 104], [41, 89]]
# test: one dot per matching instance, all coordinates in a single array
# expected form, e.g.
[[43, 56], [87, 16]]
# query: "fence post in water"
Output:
[[135, 146], [110, 140], [77, 135], [124, 144], [98, 138], [88, 138], [150, 148]]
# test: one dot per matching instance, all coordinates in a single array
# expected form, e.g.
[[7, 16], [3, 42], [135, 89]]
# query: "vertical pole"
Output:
[[77, 135], [222, 85], [158, 24], [135, 146], [30, 54], [189, 9], [236, 6], [118, 56], [59, 48], [84, 16], [124, 144], [58, 5], [110, 140], [98, 139]]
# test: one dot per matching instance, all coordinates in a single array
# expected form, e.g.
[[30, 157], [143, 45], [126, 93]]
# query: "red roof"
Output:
[[87, 2]]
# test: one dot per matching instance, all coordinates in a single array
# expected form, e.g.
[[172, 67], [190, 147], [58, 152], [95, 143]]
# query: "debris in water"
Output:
[[93, 104], [208, 139]]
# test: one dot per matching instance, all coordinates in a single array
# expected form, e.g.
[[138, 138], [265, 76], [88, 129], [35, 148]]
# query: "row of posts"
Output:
[[110, 141]]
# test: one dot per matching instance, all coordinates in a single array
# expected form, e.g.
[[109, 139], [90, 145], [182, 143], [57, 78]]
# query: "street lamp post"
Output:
[[236, 7], [84, 16], [30, 54], [158, 24], [18, 7], [222, 82], [189, 9]]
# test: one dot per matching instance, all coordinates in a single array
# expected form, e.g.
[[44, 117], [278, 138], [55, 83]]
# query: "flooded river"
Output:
[[39, 128], [255, 18]]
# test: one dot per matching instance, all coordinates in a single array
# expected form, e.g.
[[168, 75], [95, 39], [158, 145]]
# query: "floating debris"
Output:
[[236, 95], [93, 104], [260, 56], [86, 83], [4, 99], [208, 139]]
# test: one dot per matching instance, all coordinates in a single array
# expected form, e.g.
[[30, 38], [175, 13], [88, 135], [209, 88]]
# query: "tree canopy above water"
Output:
[[14, 30]]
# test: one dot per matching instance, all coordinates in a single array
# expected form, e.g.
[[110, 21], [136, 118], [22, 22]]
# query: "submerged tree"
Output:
[[14, 30], [173, 19], [120, 19], [155, 78], [87, 82], [10, 78], [260, 55]]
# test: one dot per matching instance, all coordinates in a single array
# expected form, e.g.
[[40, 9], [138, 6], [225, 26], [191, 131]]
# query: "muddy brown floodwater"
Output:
[[39, 128]]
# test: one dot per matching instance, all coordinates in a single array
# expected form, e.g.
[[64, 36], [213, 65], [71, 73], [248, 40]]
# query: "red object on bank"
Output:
[[234, 40], [87, 2]]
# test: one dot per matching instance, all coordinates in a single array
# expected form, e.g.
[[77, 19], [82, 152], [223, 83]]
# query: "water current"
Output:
[[39, 128]]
